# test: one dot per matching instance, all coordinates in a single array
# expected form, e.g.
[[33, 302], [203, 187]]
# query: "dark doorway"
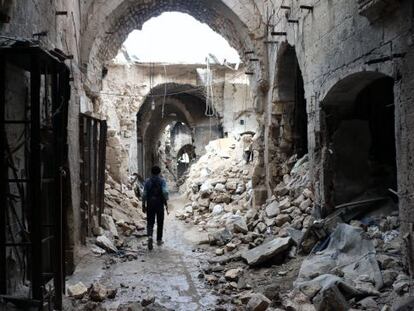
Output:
[[291, 95], [362, 140]]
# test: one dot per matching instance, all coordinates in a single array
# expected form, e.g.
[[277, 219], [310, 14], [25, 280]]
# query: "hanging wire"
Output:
[[210, 109], [165, 92]]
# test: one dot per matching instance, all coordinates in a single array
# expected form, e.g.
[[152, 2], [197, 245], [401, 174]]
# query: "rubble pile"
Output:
[[220, 192], [95, 293], [330, 264], [122, 205], [122, 218], [115, 240]]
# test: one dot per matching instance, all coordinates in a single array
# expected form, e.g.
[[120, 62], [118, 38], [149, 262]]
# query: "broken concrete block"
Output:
[[109, 224], [305, 204], [237, 224], [282, 219], [330, 299], [281, 189], [284, 204], [273, 209], [106, 244], [261, 227], [231, 185], [206, 189], [258, 302], [217, 210], [77, 291], [267, 251], [98, 292], [220, 237], [296, 235], [233, 274]]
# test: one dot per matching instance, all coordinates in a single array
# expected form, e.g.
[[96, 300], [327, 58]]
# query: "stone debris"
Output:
[[106, 244], [267, 251], [109, 224], [233, 274], [98, 292], [77, 291], [258, 302], [352, 266]]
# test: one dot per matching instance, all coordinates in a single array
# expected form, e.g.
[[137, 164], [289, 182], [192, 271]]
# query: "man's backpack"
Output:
[[155, 192]]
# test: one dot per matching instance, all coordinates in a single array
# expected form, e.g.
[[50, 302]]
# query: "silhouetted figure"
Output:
[[247, 147], [154, 198]]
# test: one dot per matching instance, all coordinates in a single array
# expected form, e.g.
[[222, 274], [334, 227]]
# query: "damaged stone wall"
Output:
[[332, 43], [126, 88], [107, 26], [23, 21]]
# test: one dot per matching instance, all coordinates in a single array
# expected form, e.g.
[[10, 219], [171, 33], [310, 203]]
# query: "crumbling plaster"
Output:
[[333, 42], [127, 91]]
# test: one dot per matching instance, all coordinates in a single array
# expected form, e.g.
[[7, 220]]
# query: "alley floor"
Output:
[[169, 273]]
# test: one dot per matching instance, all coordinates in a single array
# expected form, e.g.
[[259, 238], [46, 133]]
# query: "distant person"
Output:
[[247, 147], [154, 198]]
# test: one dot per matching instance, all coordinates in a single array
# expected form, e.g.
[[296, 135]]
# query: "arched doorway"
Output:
[[185, 156], [290, 95], [359, 116], [184, 104]]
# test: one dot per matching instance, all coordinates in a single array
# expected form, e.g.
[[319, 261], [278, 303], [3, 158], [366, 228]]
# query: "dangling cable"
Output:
[[210, 109], [165, 92]]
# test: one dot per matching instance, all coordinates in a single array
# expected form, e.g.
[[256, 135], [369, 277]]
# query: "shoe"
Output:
[[160, 242], [150, 247]]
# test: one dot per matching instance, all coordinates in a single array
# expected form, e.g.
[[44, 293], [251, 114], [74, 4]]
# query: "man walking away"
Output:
[[247, 147], [154, 198]]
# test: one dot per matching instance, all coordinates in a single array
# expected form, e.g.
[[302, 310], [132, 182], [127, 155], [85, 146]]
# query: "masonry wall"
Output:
[[125, 89], [333, 42]]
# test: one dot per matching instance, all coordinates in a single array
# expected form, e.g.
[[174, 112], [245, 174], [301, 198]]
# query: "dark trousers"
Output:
[[248, 156], [155, 211]]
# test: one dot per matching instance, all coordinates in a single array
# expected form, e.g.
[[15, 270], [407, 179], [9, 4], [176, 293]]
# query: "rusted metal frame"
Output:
[[88, 189], [82, 121], [3, 177], [94, 158], [57, 257], [101, 168], [35, 177]]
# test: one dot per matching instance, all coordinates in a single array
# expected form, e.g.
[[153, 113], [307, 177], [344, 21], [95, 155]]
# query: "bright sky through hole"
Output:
[[176, 37]]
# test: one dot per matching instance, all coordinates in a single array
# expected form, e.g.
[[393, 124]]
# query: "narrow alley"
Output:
[[272, 140], [169, 274]]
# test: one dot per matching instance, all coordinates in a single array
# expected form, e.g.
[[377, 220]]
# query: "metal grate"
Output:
[[34, 91], [92, 139]]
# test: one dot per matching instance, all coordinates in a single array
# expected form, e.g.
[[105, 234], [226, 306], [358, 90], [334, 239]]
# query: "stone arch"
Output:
[[107, 24], [183, 103], [183, 167], [359, 121], [290, 103]]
